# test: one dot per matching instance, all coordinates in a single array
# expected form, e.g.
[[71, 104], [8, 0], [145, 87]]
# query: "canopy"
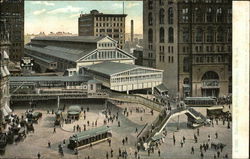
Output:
[[74, 108]]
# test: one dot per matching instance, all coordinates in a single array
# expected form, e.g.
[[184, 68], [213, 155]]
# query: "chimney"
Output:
[[132, 30]]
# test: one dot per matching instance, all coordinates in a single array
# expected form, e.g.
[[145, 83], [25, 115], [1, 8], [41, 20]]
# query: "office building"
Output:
[[12, 11], [99, 24], [191, 41]]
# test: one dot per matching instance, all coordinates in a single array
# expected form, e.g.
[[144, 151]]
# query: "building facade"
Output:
[[99, 24], [4, 73], [12, 11], [192, 42]]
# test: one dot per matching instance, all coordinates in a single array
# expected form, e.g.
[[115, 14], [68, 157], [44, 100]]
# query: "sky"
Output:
[[54, 16]]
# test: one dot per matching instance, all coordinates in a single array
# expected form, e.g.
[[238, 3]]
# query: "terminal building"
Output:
[[124, 77], [67, 52]]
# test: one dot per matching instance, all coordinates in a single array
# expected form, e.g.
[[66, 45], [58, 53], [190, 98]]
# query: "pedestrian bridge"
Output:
[[160, 123]]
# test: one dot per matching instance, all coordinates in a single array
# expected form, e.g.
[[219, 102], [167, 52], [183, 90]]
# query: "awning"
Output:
[[3, 73], [5, 55], [6, 70]]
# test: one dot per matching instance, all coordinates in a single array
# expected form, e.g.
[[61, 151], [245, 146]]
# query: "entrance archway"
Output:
[[210, 84]]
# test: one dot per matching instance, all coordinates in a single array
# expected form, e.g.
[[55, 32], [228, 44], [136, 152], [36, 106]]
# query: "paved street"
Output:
[[38, 141]]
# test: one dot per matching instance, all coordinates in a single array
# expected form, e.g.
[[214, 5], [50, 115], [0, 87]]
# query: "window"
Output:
[[150, 4], [210, 35], [220, 35], [185, 15], [161, 16], [150, 35], [162, 32], [186, 64], [150, 19], [198, 15], [219, 16], [209, 15], [170, 35], [185, 35], [161, 2], [199, 35], [170, 16], [229, 35], [229, 17], [186, 81]]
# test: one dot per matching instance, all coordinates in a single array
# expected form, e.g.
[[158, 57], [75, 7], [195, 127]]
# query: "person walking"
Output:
[[111, 153], [198, 132], [54, 130], [49, 144], [183, 139], [107, 155], [181, 143], [159, 152], [38, 155], [192, 150], [216, 135]]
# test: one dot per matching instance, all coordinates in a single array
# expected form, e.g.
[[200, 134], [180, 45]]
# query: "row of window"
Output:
[[207, 15], [162, 35], [109, 30], [162, 17], [170, 49], [170, 58], [107, 45], [209, 36], [109, 24], [210, 49], [136, 78], [108, 18], [107, 55]]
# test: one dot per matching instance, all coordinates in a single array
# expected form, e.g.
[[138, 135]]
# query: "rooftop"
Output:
[[48, 78], [84, 39], [110, 68]]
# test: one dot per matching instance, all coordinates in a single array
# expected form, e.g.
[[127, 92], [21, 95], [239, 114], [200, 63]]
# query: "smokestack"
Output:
[[132, 30]]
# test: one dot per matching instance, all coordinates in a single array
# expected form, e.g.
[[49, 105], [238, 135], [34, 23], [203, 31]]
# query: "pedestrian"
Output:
[[141, 118], [202, 155], [119, 124], [54, 130], [221, 147], [181, 143], [136, 154], [216, 135], [126, 139], [109, 141], [123, 141], [214, 156], [226, 156], [159, 152], [49, 144], [148, 152], [192, 150], [174, 140], [209, 138], [107, 155], [120, 152], [183, 139], [38, 155], [218, 154], [111, 153], [200, 147], [198, 132], [136, 130]]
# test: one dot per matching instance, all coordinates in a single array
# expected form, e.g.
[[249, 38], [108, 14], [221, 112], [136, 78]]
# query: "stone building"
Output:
[[191, 41], [99, 24], [12, 11], [4, 73]]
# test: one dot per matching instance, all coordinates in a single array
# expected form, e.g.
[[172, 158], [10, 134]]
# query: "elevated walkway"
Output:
[[160, 123]]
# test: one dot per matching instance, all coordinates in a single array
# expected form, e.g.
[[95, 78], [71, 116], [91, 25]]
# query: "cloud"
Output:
[[117, 5], [65, 10], [132, 4], [44, 3], [38, 12]]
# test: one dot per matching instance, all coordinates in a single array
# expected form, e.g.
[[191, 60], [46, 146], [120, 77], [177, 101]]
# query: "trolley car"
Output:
[[200, 101], [89, 137]]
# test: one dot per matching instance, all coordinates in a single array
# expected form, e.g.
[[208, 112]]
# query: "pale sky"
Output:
[[54, 16]]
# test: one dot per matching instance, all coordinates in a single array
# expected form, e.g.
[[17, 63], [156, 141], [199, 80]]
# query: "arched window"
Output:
[[199, 35], [150, 4], [219, 15], [161, 16], [162, 35], [210, 35], [150, 19], [210, 75], [150, 35], [186, 64], [186, 81], [220, 35], [209, 15], [170, 16], [170, 35]]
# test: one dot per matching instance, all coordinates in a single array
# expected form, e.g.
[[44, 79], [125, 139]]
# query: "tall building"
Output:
[[4, 73], [191, 41], [13, 12], [98, 24]]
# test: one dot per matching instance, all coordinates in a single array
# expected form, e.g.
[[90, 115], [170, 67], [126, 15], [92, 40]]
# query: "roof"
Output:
[[61, 52], [89, 133], [161, 88], [85, 39], [48, 78], [110, 68]]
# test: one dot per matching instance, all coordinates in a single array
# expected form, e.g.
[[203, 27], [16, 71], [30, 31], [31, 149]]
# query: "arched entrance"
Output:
[[210, 84]]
